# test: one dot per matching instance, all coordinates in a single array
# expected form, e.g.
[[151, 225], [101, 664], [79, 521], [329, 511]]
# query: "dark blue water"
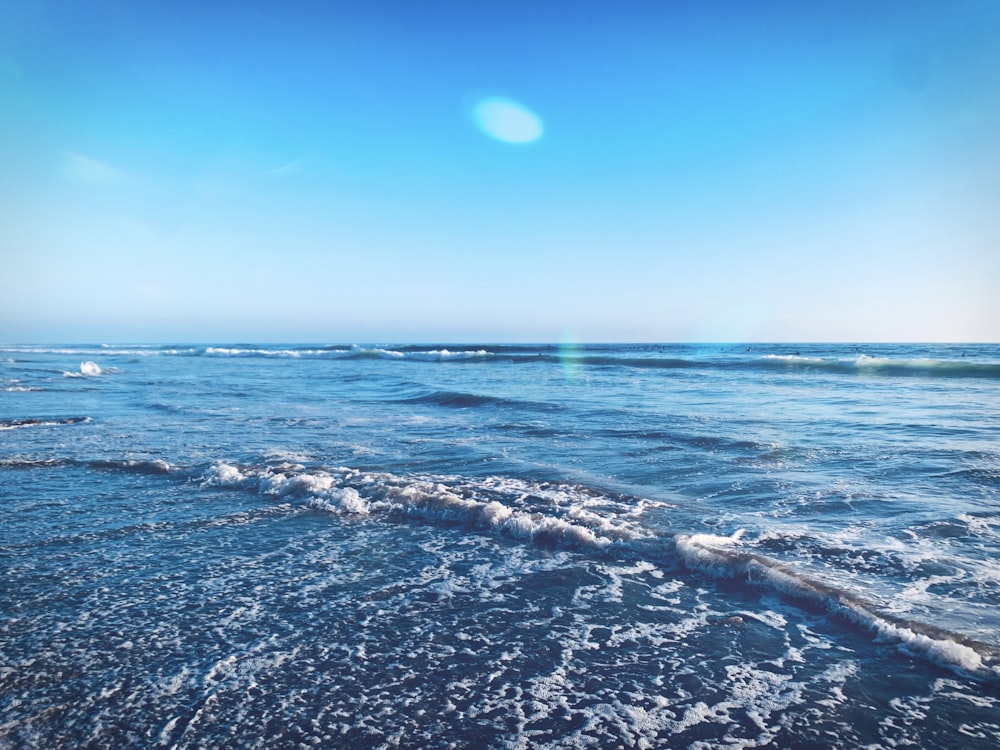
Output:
[[500, 546]]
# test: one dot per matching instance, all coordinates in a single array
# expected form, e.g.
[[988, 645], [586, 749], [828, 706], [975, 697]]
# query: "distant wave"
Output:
[[13, 386], [353, 352], [104, 350], [860, 365], [501, 355], [91, 369], [458, 400], [87, 370], [887, 366], [648, 357]]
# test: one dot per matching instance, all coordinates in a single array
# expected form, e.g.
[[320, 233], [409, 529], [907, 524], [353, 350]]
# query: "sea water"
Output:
[[781, 546]]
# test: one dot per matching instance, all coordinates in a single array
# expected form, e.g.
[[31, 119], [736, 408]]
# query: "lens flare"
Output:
[[506, 120], [570, 357]]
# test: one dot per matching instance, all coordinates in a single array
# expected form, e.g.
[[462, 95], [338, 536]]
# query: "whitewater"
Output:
[[500, 546]]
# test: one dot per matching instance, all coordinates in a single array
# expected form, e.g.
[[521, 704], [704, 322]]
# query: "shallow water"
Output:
[[500, 546]]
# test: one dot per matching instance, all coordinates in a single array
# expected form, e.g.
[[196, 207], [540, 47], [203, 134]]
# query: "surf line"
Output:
[[705, 553], [352, 493]]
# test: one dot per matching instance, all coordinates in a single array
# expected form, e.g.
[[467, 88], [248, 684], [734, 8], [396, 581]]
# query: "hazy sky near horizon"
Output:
[[464, 171]]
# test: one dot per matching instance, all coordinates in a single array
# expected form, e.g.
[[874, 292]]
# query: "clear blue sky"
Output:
[[307, 171]]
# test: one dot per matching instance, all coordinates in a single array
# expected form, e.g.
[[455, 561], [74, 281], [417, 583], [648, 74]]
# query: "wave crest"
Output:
[[88, 369], [537, 515], [573, 517], [15, 424], [715, 556]]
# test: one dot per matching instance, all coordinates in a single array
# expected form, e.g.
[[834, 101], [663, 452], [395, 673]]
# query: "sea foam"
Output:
[[582, 520], [715, 555], [88, 369], [349, 492]]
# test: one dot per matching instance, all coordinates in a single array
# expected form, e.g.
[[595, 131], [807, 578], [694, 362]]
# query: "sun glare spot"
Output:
[[570, 356], [506, 120]]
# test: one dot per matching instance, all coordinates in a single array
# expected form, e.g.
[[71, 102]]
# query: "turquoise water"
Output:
[[500, 546]]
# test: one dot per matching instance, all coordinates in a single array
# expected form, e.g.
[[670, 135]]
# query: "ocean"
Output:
[[518, 546]]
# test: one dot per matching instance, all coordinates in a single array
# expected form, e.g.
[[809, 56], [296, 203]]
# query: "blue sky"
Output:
[[301, 171]]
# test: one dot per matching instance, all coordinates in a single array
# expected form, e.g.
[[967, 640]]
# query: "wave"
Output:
[[132, 466], [589, 521], [13, 386], [885, 366], [90, 370], [133, 350], [459, 400], [541, 512], [857, 365], [714, 555], [646, 363], [812, 358], [575, 517], [22, 462], [571, 517], [15, 424], [420, 355], [987, 477], [860, 365], [352, 352], [128, 466], [253, 351]]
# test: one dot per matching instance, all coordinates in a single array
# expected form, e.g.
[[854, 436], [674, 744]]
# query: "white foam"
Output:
[[710, 554], [447, 499], [384, 353], [346, 500], [442, 354], [16, 424], [431, 355], [795, 358], [224, 475], [583, 519], [222, 351], [981, 525], [944, 651], [88, 369], [697, 551]]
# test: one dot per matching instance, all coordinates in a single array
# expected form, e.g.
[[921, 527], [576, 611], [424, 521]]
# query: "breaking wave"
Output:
[[568, 516], [352, 352], [714, 555], [589, 521], [87, 370], [565, 515]]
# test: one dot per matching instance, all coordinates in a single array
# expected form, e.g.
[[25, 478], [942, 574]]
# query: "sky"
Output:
[[374, 171]]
